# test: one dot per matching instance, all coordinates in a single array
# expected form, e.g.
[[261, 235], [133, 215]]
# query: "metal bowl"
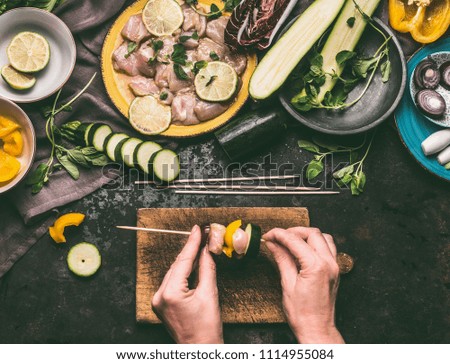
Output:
[[11, 110], [378, 103]]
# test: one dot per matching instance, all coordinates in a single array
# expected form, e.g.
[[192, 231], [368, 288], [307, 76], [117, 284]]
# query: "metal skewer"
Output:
[[240, 187], [247, 192]]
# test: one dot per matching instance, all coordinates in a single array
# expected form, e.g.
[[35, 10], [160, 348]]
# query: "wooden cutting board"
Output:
[[249, 293]]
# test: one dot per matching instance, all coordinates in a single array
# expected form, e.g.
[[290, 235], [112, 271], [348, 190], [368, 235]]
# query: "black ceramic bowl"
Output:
[[378, 103]]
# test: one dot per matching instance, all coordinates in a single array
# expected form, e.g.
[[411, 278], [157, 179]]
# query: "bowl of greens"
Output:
[[336, 90]]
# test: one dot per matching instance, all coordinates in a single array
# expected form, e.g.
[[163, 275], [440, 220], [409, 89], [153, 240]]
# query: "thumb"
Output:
[[206, 271]]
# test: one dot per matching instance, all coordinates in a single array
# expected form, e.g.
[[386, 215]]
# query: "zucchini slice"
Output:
[[289, 50], [86, 134], [128, 151], [112, 142], [165, 165], [97, 136], [143, 154], [84, 259], [254, 240]]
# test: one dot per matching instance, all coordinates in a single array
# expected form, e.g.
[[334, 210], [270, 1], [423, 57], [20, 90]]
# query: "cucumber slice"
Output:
[[84, 259], [128, 150], [165, 165], [289, 50], [86, 134], [254, 240], [112, 142], [143, 154], [97, 135]]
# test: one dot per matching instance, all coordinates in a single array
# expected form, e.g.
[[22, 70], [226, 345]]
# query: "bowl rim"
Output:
[[302, 119], [27, 120], [72, 45], [411, 85]]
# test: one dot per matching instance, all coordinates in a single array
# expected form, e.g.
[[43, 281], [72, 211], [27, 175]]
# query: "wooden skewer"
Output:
[[240, 187], [225, 179], [261, 193], [178, 232]]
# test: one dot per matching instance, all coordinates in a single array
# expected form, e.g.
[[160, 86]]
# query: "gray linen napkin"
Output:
[[89, 20]]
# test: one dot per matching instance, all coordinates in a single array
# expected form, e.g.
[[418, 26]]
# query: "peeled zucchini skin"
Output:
[[288, 51]]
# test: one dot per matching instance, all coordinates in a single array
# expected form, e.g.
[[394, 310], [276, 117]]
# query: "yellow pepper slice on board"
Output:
[[231, 229], [426, 20], [13, 143], [57, 230], [9, 167]]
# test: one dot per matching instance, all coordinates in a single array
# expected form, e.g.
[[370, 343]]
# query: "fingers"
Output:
[[331, 245], [295, 245], [183, 266], [313, 238], [206, 271], [285, 262]]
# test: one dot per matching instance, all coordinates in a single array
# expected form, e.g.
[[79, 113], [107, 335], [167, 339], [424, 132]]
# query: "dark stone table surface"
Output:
[[398, 231]]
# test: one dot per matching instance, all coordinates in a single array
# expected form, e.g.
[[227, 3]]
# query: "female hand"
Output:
[[190, 315], [306, 259]]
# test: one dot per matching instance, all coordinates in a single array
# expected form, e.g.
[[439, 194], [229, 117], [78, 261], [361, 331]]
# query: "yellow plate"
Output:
[[117, 83]]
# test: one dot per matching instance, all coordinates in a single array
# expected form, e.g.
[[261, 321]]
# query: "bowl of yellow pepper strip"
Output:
[[17, 144]]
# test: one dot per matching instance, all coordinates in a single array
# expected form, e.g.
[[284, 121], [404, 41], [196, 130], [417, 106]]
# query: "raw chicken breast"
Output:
[[237, 61], [128, 65], [168, 100], [175, 84], [190, 43], [142, 86], [193, 21], [143, 55], [183, 106], [240, 241], [206, 46], [166, 51], [215, 29], [216, 238], [162, 75], [135, 30], [209, 110]]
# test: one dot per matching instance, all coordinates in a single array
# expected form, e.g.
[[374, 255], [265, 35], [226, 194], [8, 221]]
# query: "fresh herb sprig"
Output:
[[67, 158], [214, 11], [352, 174], [131, 47], [360, 69]]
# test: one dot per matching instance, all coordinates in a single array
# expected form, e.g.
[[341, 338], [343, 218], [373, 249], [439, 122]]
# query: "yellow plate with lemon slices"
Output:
[[117, 83]]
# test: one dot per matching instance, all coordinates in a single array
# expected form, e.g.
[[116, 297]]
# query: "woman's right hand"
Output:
[[306, 259]]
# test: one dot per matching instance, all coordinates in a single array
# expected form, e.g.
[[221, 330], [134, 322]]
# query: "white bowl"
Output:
[[62, 51]]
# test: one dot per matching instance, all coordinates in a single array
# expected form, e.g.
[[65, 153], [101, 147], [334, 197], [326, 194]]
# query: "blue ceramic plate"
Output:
[[412, 126]]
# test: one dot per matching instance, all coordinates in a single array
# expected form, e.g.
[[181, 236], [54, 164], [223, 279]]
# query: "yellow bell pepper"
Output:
[[13, 143], [231, 229], [57, 230], [7, 126], [9, 167], [426, 20]]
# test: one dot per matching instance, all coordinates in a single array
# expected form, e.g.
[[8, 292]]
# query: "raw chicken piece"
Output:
[[216, 238], [143, 55], [162, 75], [209, 110], [135, 30], [206, 46], [190, 43], [175, 84], [237, 61], [166, 51], [193, 21], [215, 29], [168, 100], [128, 65], [142, 86], [240, 241], [183, 106]]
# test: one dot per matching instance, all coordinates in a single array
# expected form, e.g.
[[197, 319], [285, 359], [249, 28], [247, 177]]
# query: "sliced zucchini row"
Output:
[[97, 135], [143, 154], [112, 145], [165, 165], [254, 240], [128, 150]]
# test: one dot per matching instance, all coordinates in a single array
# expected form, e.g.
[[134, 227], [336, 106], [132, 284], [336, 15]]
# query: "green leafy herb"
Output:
[[163, 95], [185, 38], [214, 12], [352, 174], [195, 36], [43, 171], [344, 56], [179, 72], [179, 55], [48, 5], [213, 55], [130, 49], [231, 4], [198, 66], [351, 21], [386, 70], [157, 45]]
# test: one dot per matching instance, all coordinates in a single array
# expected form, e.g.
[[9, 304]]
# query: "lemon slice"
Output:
[[148, 116], [216, 82], [17, 80], [162, 17], [28, 52]]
